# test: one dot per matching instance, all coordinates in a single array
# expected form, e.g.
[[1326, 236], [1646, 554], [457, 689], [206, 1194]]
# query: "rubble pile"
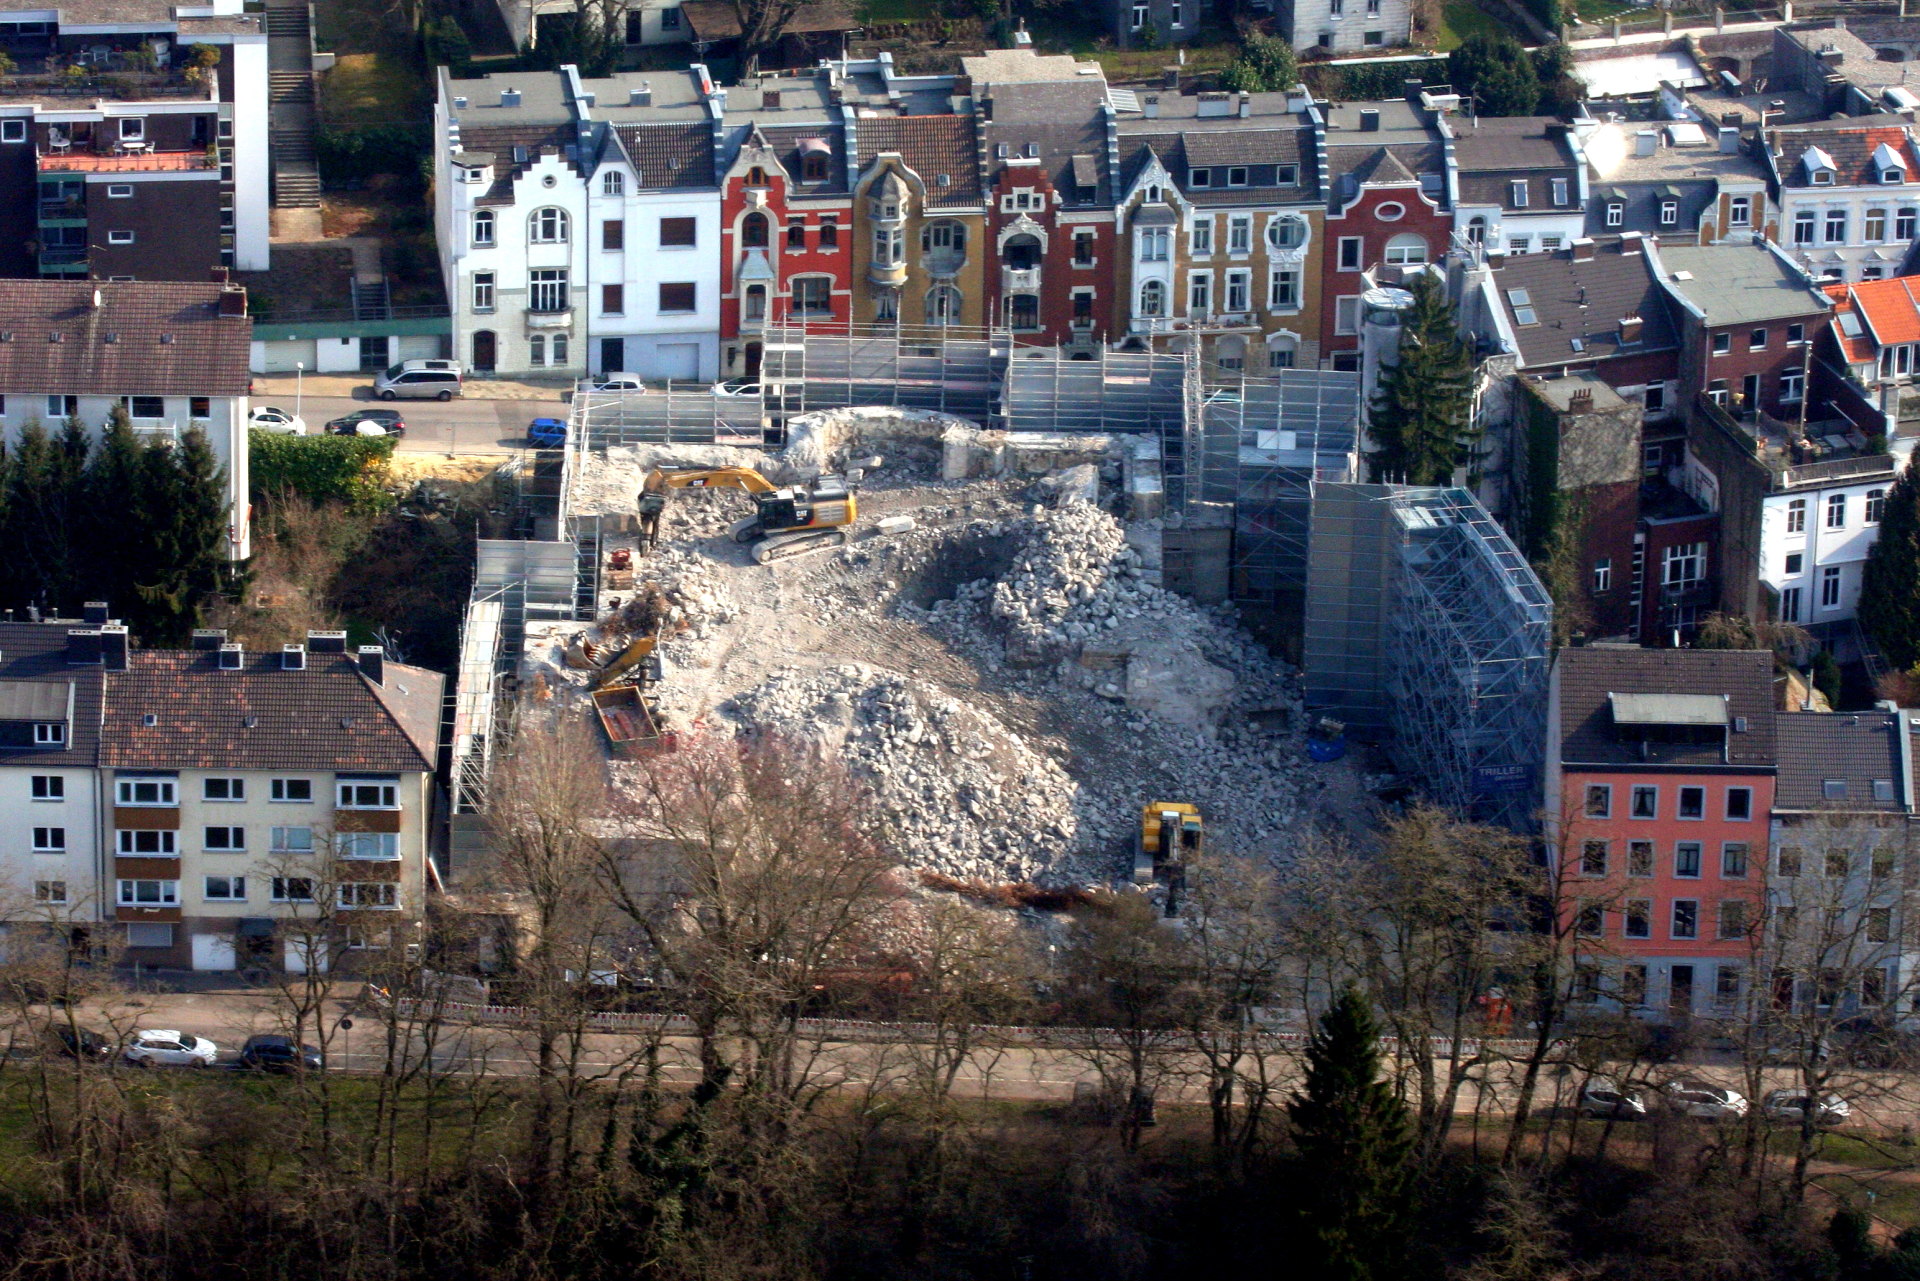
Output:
[[958, 792]]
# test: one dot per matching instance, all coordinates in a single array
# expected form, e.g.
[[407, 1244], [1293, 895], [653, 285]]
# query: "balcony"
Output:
[[80, 161], [888, 275], [942, 264], [541, 318], [63, 262], [1019, 280], [57, 213], [1819, 452]]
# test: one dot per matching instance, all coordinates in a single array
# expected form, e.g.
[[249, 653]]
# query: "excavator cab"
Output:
[[1172, 837]]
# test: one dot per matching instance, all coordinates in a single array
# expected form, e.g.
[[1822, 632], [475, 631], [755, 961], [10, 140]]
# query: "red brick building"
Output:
[[1747, 314]]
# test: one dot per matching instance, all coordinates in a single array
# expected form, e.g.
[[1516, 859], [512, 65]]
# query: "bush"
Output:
[[354, 155], [1264, 65], [447, 45], [1359, 82], [1499, 71], [321, 469]]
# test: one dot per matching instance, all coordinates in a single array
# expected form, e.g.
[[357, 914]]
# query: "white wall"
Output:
[[252, 169], [1312, 18], [20, 867], [652, 30], [643, 266], [1504, 225], [1856, 251], [1819, 547], [512, 258]]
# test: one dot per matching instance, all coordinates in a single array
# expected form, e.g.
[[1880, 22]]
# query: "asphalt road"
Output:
[[454, 426]]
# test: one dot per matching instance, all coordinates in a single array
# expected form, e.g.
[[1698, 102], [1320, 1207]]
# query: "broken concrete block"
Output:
[[894, 524], [1181, 688]]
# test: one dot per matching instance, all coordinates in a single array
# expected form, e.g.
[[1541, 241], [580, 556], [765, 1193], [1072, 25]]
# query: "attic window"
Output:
[[1834, 789], [1891, 176], [1523, 312], [1882, 789], [1823, 177], [149, 719], [1200, 178]]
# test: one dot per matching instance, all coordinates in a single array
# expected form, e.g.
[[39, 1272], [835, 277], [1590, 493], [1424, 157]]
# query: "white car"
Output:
[[740, 387], [164, 1047], [1791, 1106], [1704, 1102], [270, 418], [1602, 1098], [612, 382]]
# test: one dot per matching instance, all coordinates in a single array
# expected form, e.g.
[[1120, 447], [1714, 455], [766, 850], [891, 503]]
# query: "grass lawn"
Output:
[[1605, 10], [1460, 19], [377, 77], [1126, 66], [898, 11]]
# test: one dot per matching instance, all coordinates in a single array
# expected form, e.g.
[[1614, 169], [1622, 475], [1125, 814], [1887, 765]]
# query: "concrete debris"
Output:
[[819, 443], [894, 524]]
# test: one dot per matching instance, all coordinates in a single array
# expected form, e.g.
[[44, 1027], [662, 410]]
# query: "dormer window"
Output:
[[814, 155], [1519, 193], [1823, 177], [1200, 178], [49, 734], [757, 177], [1893, 175], [1669, 212], [1559, 191], [1153, 194], [1616, 213]]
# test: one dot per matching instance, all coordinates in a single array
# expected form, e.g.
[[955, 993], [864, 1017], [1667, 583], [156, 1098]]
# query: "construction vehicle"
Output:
[[786, 520], [631, 717], [1171, 839], [638, 659]]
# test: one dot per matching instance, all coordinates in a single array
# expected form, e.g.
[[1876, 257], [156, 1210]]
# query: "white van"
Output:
[[419, 380]]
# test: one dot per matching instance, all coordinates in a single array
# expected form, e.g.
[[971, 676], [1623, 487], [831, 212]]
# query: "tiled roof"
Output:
[[1855, 349], [785, 141], [1891, 309], [504, 143], [1854, 749], [1058, 146], [145, 338], [718, 20], [1738, 284], [931, 146], [1515, 142], [1497, 189], [327, 716], [1588, 677], [37, 652], [1583, 300], [1250, 146], [1851, 151], [676, 155]]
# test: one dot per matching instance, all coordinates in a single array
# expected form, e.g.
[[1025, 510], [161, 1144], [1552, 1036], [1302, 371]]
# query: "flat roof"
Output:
[[1668, 709]]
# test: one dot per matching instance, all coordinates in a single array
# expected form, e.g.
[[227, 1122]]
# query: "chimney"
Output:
[[218, 275], [1629, 242], [113, 648], [209, 637], [1246, 104], [1412, 91], [769, 100], [373, 663], [1150, 106], [1630, 329], [509, 97], [230, 656], [94, 613], [293, 658], [1581, 401], [233, 300], [83, 646], [641, 97], [326, 642], [1729, 140], [1583, 248], [1646, 142]]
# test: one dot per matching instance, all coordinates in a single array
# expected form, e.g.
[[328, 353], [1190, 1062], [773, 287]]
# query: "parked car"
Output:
[[612, 382], [737, 387], [274, 419], [79, 1043], [1602, 1098], [1704, 1102], [164, 1047], [368, 422], [420, 380], [272, 1052], [546, 433], [1790, 1106]]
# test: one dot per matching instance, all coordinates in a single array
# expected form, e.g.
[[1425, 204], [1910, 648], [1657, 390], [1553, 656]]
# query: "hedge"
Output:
[[347, 469], [1366, 82]]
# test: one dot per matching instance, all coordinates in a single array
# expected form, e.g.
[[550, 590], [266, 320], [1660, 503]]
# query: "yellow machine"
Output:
[[638, 653], [1171, 840], [786, 521]]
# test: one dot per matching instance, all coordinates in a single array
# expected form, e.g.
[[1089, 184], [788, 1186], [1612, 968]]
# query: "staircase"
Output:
[[586, 570], [289, 86], [288, 20], [290, 98], [370, 300]]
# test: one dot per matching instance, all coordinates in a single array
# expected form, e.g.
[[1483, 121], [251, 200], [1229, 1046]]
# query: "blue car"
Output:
[[546, 433]]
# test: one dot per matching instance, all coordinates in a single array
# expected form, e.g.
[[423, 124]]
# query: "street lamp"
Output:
[[299, 385]]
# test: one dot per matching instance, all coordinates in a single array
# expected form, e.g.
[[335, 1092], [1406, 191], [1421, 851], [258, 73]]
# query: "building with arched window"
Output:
[[919, 193]]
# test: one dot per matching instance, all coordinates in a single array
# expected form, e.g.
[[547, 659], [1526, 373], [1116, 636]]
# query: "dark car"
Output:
[[546, 433], [368, 422], [80, 1043], [271, 1052]]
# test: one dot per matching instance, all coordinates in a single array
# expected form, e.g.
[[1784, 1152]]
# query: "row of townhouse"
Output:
[[1721, 858], [213, 808]]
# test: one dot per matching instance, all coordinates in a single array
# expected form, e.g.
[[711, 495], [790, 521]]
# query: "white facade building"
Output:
[[1849, 198], [1814, 538], [1346, 26]]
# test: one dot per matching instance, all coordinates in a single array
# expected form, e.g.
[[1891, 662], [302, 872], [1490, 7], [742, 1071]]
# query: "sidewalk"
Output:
[[360, 387]]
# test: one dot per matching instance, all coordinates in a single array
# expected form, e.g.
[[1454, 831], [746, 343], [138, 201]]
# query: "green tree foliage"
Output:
[[354, 155], [1351, 1131], [591, 35], [1549, 12], [1264, 65], [447, 44], [1498, 73], [322, 469], [1560, 93], [1890, 587], [1826, 677], [187, 527], [1419, 416]]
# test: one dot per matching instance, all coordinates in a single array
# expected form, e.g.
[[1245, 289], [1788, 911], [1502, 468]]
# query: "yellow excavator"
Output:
[[786, 520], [1171, 839]]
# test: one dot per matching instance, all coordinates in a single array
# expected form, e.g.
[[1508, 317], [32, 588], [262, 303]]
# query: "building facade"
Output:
[[1849, 197]]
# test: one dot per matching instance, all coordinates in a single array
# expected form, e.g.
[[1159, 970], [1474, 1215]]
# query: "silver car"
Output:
[[1704, 1102], [1602, 1098], [419, 380], [164, 1047], [1790, 1106]]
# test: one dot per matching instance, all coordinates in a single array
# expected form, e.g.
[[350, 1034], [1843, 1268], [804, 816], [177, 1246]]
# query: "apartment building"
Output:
[[1345, 26], [133, 141], [1849, 197], [173, 355], [1521, 183], [924, 261], [1680, 180], [50, 777], [1661, 768]]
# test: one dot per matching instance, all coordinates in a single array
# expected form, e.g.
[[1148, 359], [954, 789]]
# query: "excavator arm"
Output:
[[661, 479]]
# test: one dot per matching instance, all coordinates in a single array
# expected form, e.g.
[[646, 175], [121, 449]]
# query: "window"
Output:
[[1686, 859], [63, 406], [1646, 800], [1346, 316], [811, 296], [943, 305], [1830, 587], [143, 844], [1836, 865], [1201, 237], [1139, 18], [753, 231], [144, 791], [1083, 245], [200, 407], [1803, 227], [1876, 505], [1639, 918], [1732, 923], [1616, 213], [1669, 213], [829, 234], [613, 300], [1793, 386], [797, 233], [1406, 250], [1023, 311], [138, 893], [1351, 247], [1280, 357], [1286, 233], [1200, 294], [50, 892], [1602, 576], [49, 734], [1593, 858], [225, 840], [224, 889], [1153, 298], [13, 131], [548, 226], [49, 840], [559, 349], [678, 233], [1639, 858], [1654, 397], [291, 790], [1373, 38], [293, 889], [377, 894], [1733, 861], [384, 846], [1559, 191], [1174, 15], [613, 183], [1517, 193], [1874, 227], [1740, 211], [678, 297], [367, 795], [49, 787], [1686, 918], [482, 228], [133, 128], [293, 840], [1693, 802], [537, 350], [1237, 176], [1684, 565], [1722, 344], [1156, 244], [1836, 511], [1726, 986], [1790, 605], [1633, 984], [1879, 924], [889, 246], [1239, 291], [1591, 921], [613, 235], [1599, 800], [1797, 516], [547, 290], [483, 291], [1794, 562], [1787, 863], [1836, 226], [1739, 804], [223, 789]]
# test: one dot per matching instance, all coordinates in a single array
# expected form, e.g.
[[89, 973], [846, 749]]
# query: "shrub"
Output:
[[321, 469]]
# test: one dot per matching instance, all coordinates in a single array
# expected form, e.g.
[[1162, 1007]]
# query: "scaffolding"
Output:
[[1117, 392], [949, 369], [1424, 622]]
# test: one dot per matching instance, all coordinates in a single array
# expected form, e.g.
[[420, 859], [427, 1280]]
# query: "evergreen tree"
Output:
[[1351, 1131], [1265, 64], [1890, 587], [112, 533], [36, 528], [1419, 416], [184, 490], [1499, 74]]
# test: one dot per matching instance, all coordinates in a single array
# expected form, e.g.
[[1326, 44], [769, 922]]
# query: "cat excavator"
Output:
[[787, 520], [1171, 839]]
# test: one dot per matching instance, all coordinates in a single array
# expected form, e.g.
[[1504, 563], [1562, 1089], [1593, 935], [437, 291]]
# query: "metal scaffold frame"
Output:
[[1117, 392]]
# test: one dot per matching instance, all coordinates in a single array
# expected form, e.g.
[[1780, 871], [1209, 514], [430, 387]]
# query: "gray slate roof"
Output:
[[1854, 749], [36, 654], [1588, 677], [1740, 284], [1584, 300]]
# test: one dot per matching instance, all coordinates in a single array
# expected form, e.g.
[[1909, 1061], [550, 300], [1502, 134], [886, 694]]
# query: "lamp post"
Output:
[[299, 386]]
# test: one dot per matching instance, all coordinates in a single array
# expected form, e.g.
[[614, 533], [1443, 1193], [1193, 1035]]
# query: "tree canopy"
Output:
[[1499, 74], [1264, 64], [1890, 587], [1419, 416]]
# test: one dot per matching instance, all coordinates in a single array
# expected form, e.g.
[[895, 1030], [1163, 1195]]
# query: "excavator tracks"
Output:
[[782, 546]]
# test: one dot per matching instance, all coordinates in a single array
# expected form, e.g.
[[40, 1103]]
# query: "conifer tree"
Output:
[[1890, 586], [1419, 418], [37, 533], [187, 524], [1353, 1138], [112, 533]]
